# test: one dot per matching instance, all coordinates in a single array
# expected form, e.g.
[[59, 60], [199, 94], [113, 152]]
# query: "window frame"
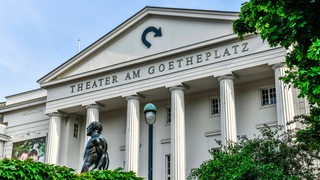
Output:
[[76, 129], [211, 106], [167, 166], [168, 115], [271, 102]]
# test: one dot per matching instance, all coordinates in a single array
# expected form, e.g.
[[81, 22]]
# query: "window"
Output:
[[76, 130], [268, 96], [168, 115], [167, 164], [214, 106]]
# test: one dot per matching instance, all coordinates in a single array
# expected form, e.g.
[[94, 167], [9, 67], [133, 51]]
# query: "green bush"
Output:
[[109, 174], [270, 156], [30, 170]]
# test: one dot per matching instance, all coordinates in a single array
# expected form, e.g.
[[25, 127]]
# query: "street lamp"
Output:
[[150, 117]]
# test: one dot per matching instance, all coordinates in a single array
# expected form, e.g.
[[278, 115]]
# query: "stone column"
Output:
[[92, 113], [132, 134], [228, 110], [285, 106], [53, 144], [178, 142], [92, 116]]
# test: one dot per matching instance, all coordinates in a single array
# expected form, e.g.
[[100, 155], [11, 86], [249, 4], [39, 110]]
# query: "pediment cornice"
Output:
[[54, 77]]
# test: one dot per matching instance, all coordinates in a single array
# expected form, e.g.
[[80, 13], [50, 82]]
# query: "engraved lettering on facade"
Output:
[[213, 55]]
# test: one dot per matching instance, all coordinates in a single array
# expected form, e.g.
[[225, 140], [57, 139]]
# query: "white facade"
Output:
[[195, 63]]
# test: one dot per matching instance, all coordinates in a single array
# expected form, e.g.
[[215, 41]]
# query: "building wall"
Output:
[[114, 124], [201, 129], [3, 138], [250, 113], [198, 122], [71, 147], [24, 124]]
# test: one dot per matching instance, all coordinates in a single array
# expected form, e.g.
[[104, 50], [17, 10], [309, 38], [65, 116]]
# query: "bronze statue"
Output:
[[95, 156]]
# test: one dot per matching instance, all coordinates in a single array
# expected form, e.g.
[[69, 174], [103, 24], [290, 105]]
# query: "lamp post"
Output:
[[150, 117]]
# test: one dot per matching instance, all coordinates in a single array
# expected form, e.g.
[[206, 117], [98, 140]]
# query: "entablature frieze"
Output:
[[215, 61]]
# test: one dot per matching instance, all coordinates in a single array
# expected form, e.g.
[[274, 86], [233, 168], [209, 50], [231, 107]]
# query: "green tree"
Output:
[[264, 157], [294, 25]]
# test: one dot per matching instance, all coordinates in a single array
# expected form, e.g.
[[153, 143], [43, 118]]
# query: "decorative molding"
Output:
[[123, 148], [94, 105], [179, 87], [24, 104], [53, 114], [165, 141], [137, 97], [215, 69], [227, 76], [4, 137], [278, 65], [33, 111], [270, 124], [212, 133]]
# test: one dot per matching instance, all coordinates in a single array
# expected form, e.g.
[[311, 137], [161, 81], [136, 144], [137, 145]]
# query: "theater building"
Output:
[[204, 81]]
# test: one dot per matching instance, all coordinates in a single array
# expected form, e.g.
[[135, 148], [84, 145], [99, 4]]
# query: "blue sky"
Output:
[[36, 36]]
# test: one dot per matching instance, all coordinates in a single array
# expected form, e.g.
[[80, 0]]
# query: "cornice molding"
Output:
[[150, 58], [24, 104]]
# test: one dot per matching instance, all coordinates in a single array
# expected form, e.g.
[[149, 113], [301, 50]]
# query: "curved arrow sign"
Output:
[[157, 33]]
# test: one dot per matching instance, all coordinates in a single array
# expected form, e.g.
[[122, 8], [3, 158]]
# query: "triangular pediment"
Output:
[[137, 38]]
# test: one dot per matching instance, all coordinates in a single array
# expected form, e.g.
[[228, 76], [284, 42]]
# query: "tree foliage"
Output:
[[269, 156], [294, 25], [12, 169]]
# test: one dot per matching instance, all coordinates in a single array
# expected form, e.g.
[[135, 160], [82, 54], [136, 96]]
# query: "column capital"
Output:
[[95, 105], [278, 65], [59, 114], [137, 97], [179, 87], [227, 76]]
